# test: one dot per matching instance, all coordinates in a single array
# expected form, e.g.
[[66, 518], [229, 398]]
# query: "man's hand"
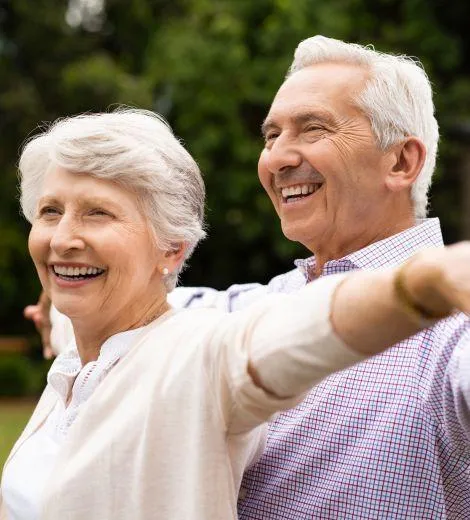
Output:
[[39, 314]]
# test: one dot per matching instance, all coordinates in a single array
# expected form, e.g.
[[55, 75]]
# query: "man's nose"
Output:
[[283, 155], [67, 236]]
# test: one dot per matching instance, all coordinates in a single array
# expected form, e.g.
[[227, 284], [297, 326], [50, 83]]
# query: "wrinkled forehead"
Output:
[[85, 189], [332, 87]]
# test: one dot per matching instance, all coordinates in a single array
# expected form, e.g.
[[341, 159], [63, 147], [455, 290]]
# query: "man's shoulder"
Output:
[[236, 296], [398, 248], [454, 330], [289, 281]]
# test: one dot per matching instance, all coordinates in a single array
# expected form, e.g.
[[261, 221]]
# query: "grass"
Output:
[[13, 418]]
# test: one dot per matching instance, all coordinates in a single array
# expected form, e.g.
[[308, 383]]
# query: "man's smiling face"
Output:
[[321, 166]]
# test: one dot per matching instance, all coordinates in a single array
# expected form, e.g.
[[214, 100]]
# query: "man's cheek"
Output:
[[267, 180], [340, 149]]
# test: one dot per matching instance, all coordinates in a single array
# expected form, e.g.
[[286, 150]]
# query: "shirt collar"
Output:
[[68, 365], [389, 252]]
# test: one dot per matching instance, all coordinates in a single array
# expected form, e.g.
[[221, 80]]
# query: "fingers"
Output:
[[454, 285], [47, 352], [34, 313], [30, 311], [44, 302]]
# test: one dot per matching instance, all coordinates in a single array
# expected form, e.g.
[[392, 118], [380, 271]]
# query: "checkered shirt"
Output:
[[385, 439]]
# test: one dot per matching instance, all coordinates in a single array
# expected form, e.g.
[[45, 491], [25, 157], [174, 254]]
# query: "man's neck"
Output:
[[347, 247]]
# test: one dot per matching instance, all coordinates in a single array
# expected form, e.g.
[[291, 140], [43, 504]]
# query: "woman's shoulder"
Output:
[[202, 316], [192, 324]]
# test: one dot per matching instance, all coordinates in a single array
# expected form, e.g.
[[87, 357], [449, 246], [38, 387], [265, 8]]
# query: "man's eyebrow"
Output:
[[300, 119], [322, 116], [267, 125]]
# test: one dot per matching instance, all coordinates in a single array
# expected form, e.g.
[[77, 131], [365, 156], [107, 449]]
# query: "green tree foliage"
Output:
[[211, 67]]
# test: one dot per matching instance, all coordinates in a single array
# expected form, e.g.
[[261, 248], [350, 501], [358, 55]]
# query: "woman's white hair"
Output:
[[135, 148], [397, 99]]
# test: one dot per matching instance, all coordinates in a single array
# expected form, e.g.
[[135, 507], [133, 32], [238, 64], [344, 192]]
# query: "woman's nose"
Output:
[[67, 237]]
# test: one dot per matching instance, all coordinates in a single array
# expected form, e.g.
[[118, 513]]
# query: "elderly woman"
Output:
[[155, 413]]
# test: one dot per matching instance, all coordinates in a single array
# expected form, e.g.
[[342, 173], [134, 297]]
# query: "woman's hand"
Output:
[[438, 280], [373, 310]]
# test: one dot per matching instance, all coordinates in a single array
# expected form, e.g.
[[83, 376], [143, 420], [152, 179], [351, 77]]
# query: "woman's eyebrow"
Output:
[[96, 201], [83, 201], [47, 199]]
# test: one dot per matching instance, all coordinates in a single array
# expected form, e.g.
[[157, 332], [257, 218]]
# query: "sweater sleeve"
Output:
[[290, 342]]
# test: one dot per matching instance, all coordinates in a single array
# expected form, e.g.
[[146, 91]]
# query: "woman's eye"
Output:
[[48, 211]]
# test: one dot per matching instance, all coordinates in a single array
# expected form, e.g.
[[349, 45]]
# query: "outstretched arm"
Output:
[[369, 311], [56, 329]]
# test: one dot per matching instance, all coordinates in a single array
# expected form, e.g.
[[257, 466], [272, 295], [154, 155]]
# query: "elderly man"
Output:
[[350, 148]]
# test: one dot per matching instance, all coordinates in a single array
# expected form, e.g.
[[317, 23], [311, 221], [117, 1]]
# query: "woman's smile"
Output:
[[72, 275]]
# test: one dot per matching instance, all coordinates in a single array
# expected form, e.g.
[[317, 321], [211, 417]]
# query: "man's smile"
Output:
[[299, 192]]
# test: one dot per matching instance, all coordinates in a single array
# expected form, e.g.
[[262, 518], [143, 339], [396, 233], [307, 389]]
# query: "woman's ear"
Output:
[[174, 257], [409, 156]]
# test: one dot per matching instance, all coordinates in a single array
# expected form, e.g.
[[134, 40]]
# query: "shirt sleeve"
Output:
[[457, 401], [237, 296], [234, 298], [290, 342]]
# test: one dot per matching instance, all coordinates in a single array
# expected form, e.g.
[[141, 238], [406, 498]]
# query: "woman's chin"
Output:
[[71, 310]]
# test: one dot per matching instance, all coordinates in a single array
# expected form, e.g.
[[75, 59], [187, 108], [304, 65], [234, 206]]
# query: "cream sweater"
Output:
[[170, 430]]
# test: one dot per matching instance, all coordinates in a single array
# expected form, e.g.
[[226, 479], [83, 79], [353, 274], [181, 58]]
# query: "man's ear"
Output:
[[408, 159]]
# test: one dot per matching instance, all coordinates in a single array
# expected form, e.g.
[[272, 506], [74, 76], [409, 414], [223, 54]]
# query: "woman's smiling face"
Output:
[[93, 248]]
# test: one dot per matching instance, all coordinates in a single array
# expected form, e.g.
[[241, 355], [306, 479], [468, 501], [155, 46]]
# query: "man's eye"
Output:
[[312, 128], [270, 136], [99, 213]]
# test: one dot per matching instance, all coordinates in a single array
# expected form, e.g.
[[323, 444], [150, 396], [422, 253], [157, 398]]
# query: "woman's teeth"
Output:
[[77, 271]]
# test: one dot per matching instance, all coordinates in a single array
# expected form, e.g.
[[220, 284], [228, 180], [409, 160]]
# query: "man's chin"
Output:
[[302, 234]]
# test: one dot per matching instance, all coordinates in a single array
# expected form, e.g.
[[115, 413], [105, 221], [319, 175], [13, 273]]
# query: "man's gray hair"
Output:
[[397, 99], [135, 148]]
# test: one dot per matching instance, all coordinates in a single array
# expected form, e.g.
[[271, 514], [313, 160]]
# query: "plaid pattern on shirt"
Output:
[[383, 440]]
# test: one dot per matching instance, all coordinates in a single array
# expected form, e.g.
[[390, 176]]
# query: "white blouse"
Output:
[[36, 459], [169, 431]]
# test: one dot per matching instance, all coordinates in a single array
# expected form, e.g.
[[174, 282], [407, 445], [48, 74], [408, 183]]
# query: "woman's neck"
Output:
[[91, 332]]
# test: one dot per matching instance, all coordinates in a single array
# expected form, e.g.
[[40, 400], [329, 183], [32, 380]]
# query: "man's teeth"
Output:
[[301, 189], [76, 271]]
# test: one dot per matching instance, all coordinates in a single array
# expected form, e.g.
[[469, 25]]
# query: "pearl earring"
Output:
[[165, 271]]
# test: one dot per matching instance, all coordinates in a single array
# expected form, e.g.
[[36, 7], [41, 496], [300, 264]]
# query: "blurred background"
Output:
[[211, 67]]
